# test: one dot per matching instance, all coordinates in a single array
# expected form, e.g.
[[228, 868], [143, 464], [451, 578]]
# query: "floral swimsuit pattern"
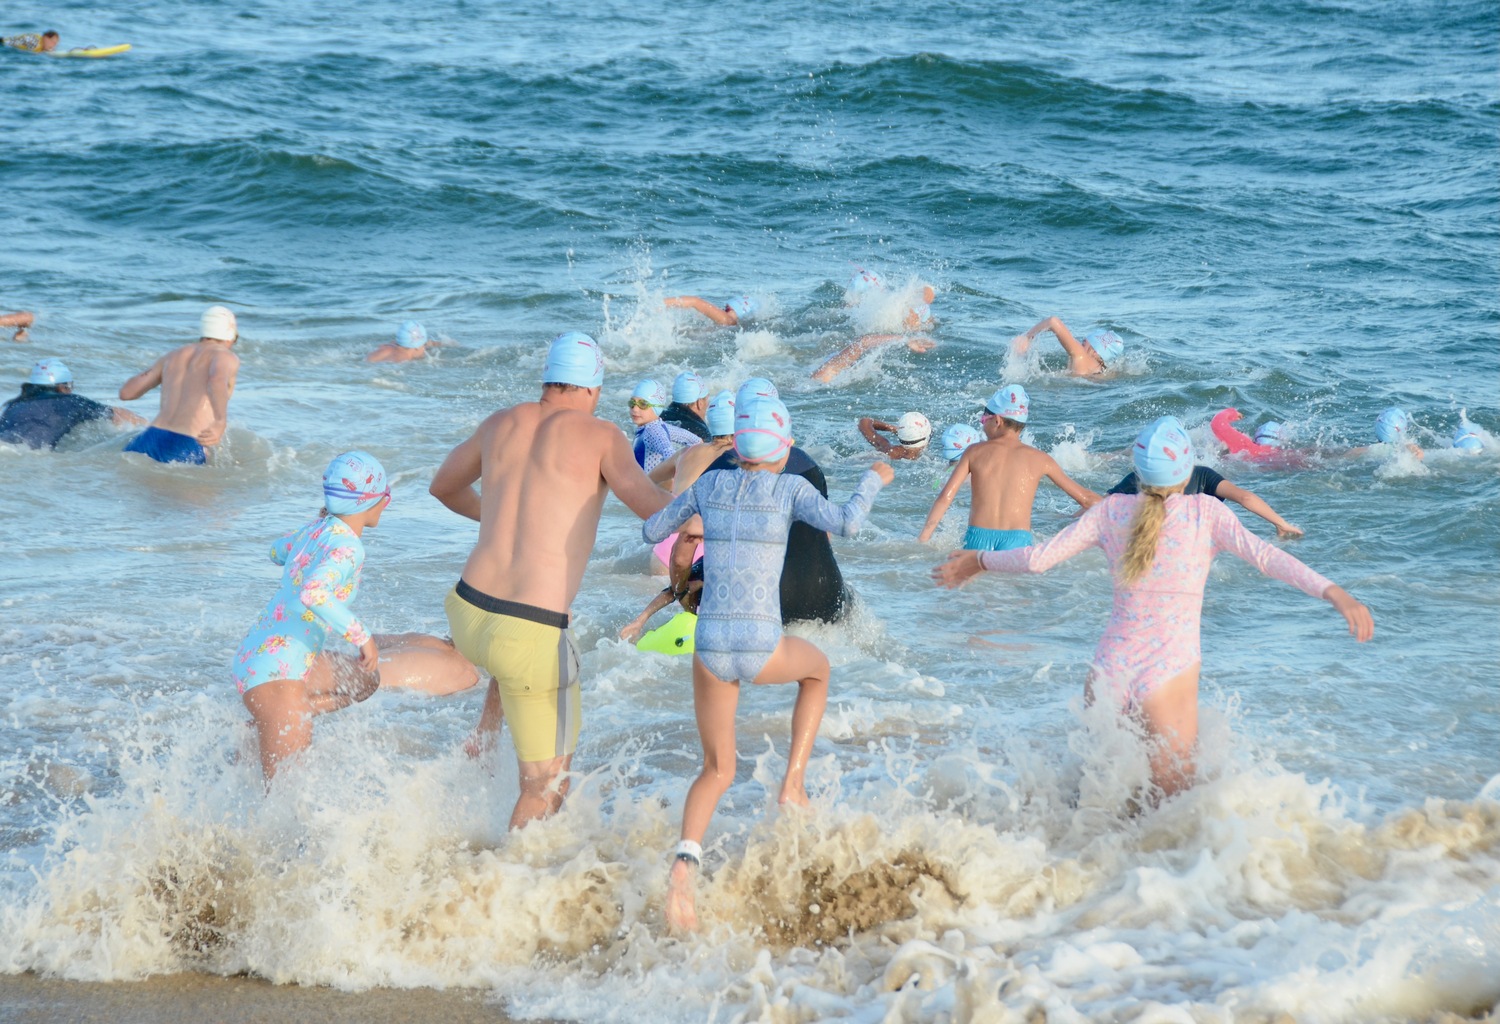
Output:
[[323, 561]]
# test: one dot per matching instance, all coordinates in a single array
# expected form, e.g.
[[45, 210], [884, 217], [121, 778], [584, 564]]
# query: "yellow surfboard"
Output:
[[91, 51], [676, 637]]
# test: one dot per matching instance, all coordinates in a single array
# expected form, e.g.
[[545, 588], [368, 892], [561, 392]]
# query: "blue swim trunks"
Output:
[[167, 446], [980, 539]]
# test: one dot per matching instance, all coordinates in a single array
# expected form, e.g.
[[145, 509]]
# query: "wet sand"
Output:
[[203, 999]]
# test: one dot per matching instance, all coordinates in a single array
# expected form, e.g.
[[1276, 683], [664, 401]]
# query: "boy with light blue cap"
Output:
[[747, 513], [46, 409], [736, 311], [1005, 475], [1091, 356], [411, 343], [957, 439], [544, 470], [689, 403], [655, 439]]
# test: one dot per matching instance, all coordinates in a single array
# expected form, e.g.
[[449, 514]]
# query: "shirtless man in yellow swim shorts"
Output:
[[543, 470]]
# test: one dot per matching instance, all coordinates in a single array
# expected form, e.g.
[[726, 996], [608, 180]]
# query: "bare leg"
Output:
[[541, 794], [714, 704], [283, 721], [1170, 714], [417, 661], [796, 659], [490, 718], [335, 681]]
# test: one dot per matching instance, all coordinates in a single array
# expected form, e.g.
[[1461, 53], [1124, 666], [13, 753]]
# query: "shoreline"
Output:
[[196, 998]]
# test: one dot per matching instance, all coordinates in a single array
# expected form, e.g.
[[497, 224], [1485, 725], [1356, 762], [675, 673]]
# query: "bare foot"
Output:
[[682, 913], [793, 796]]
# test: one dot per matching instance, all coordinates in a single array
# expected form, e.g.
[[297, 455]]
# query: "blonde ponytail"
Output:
[[1144, 532]]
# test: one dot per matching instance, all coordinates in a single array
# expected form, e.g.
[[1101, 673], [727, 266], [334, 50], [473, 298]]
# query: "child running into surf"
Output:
[[1005, 477], [1159, 544], [747, 513], [284, 676]]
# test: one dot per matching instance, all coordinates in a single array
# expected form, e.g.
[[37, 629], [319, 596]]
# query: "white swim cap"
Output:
[[218, 324], [913, 430], [864, 281], [1270, 433], [1163, 454], [50, 373]]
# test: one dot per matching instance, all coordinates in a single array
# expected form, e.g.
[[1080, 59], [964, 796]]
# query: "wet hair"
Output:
[[1140, 552], [51, 34], [562, 387], [30, 390]]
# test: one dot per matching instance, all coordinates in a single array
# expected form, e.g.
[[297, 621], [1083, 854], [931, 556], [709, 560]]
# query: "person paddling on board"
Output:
[[1086, 358], [46, 409], [31, 42], [544, 469], [1006, 473], [196, 382], [411, 343], [20, 320]]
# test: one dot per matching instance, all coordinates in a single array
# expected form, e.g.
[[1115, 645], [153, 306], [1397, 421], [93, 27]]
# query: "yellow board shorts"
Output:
[[534, 663]]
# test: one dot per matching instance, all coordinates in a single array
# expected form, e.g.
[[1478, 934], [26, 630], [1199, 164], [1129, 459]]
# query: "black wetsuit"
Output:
[[683, 416], [1203, 481], [41, 415], [812, 587]]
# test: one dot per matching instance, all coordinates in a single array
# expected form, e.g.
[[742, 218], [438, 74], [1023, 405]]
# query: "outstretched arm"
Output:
[[453, 483], [663, 522], [629, 482], [851, 354], [1086, 498], [122, 417], [1254, 503], [664, 471], [632, 630], [142, 382], [845, 520], [962, 565], [718, 314], [945, 498]]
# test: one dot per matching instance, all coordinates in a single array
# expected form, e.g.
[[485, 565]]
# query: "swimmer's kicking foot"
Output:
[[487, 733], [682, 885]]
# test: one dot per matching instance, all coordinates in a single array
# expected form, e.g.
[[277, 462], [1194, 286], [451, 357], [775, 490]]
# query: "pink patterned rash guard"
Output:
[[1153, 629], [323, 561]]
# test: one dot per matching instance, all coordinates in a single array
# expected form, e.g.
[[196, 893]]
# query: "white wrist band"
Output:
[[689, 851]]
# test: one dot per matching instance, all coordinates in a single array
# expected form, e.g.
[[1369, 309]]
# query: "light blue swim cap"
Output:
[[1107, 345], [742, 306], [864, 281], [1010, 402], [1392, 425], [762, 430], [755, 387], [1465, 439], [688, 388], [354, 482], [1163, 454], [721, 414], [1270, 433], [411, 335], [651, 391], [958, 437], [50, 373], [574, 358]]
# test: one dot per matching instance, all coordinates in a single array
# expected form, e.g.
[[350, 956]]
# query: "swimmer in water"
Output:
[[31, 42], [46, 409], [733, 313], [411, 343], [655, 440], [1086, 358], [20, 321], [1159, 545], [747, 513], [1393, 429], [284, 676], [1467, 439], [912, 430], [1005, 474], [196, 382], [917, 318], [1266, 447]]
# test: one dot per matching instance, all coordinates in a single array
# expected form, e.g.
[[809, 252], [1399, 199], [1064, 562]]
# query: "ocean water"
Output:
[[1289, 207]]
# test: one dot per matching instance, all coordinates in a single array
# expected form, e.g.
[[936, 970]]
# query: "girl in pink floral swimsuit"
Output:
[[283, 675], [1159, 545]]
